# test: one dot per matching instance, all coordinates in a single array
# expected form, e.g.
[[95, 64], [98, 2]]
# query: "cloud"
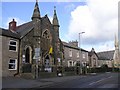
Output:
[[98, 19], [18, 20], [69, 7]]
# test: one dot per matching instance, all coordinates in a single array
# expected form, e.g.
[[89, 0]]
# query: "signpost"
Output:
[[36, 58]]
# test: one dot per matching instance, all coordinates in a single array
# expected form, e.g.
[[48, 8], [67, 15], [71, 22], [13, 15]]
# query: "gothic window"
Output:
[[46, 34]]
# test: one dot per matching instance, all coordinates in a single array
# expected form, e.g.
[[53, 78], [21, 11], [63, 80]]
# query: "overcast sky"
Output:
[[97, 18]]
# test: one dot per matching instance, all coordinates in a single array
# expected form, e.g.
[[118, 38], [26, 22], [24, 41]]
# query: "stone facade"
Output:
[[109, 63], [73, 54], [93, 59], [84, 57], [7, 55], [37, 42], [105, 57]]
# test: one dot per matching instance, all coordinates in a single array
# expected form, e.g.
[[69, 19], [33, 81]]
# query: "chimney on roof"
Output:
[[12, 25], [74, 43]]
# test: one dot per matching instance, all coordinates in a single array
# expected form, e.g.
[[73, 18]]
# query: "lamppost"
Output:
[[80, 51]]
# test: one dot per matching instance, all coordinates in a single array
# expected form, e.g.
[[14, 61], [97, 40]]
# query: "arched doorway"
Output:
[[27, 65], [28, 54]]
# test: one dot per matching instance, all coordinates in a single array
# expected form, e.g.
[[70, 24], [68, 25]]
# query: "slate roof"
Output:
[[91, 53], [8, 33], [106, 55], [24, 28], [73, 47]]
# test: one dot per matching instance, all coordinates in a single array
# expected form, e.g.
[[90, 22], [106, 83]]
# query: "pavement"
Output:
[[17, 82]]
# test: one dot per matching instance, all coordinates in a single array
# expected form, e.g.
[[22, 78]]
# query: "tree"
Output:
[[104, 67]]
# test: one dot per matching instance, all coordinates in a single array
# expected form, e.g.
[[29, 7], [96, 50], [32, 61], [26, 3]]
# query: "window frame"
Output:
[[83, 55], [12, 45], [12, 64], [78, 54], [70, 53]]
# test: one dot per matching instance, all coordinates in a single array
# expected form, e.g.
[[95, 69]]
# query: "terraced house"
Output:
[[32, 45], [74, 55]]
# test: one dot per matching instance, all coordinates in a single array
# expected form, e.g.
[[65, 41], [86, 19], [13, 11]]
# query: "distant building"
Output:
[[93, 59], [73, 54], [111, 58], [105, 57]]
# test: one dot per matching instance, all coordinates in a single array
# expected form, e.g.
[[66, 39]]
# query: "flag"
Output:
[[51, 50]]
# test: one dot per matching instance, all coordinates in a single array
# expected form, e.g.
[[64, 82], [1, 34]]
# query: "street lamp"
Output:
[[80, 52], [79, 37]]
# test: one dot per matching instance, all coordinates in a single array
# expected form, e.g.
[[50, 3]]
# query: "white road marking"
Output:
[[99, 80]]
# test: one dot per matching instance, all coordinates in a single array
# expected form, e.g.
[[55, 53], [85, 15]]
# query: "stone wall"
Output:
[[7, 55]]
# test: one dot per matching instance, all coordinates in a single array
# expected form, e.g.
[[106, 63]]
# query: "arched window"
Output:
[[27, 55], [46, 34]]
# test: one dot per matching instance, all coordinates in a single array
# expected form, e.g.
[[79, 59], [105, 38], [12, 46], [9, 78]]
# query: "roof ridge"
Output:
[[106, 51]]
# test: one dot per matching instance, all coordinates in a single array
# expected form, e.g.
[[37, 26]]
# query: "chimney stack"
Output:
[[12, 25], [74, 43]]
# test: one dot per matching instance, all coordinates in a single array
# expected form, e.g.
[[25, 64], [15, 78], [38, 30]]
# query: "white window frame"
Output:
[[83, 55], [70, 64], [12, 64], [78, 54], [70, 53], [12, 45]]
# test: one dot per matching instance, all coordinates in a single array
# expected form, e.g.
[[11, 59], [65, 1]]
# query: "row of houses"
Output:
[[90, 58], [37, 43]]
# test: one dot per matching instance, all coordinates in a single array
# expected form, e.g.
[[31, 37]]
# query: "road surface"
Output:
[[106, 80]]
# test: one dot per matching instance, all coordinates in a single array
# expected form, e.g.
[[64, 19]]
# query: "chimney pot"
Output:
[[12, 25]]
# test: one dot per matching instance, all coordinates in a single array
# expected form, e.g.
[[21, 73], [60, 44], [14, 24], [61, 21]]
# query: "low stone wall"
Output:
[[47, 74]]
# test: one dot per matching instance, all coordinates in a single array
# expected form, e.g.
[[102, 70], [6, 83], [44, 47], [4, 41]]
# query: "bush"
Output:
[[69, 69], [69, 73], [102, 69]]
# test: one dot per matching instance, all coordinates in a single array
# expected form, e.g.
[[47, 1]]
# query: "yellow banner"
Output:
[[51, 50]]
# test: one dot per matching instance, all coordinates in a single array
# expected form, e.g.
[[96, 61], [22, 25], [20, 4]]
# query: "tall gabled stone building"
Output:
[[93, 58], [38, 44]]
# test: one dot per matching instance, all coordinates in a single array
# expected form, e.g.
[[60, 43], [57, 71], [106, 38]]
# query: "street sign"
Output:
[[37, 54]]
